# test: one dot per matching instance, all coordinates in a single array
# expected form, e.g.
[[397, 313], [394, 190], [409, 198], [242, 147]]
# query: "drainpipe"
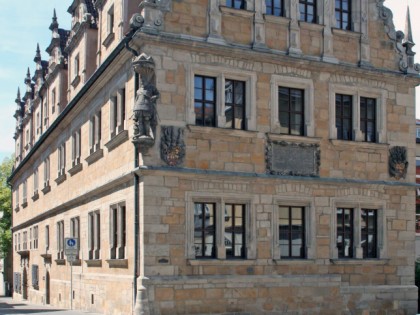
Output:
[[136, 224]]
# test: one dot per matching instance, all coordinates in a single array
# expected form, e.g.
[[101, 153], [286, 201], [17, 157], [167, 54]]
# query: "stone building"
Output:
[[219, 156]]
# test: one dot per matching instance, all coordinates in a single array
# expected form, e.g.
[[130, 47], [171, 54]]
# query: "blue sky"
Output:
[[25, 23]]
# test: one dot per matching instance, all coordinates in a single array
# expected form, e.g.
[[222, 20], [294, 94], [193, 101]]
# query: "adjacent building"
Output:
[[219, 157]]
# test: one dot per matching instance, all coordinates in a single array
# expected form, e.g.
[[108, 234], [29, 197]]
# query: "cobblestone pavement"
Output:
[[10, 307]]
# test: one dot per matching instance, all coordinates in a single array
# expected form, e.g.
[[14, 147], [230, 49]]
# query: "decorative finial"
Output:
[[408, 33], [54, 23], [28, 77], [38, 54], [18, 99]]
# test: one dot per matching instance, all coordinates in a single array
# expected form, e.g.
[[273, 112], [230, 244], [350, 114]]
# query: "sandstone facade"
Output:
[[197, 217]]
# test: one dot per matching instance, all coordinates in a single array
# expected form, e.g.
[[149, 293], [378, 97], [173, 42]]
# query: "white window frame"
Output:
[[304, 84], [61, 159], [357, 206], [310, 221], [221, 74], [358, 91], [24, 192], [35, 236], [220, 200], [53, 100]]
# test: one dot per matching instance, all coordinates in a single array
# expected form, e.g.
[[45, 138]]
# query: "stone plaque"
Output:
[[296, 159]]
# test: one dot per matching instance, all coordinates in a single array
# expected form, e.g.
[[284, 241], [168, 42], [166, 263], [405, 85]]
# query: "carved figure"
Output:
[[398, 162], [144, 115]]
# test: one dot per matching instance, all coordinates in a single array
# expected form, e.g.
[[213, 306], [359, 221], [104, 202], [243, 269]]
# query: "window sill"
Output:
[[117, 140], [223, 262], [276, 19], [77, 262], [294, 261], [95, 156], [35, 196], [236, 12], [23, 253], [217, 131], [94, 262], [75, 81], [117, 263], [358, 144], [341, 32], [60, 262], [75, 169], [17, 209], [358, 261], [60, 178], [24, 204], [46, 189], [109, 39], [311, 26]]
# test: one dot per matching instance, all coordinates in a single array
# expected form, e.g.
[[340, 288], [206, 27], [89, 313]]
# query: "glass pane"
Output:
[[283, 212], [198, 93], [209, 95], [229, 91], [284, 122], [296, 250], [229, 116], [296, 99], [198, 110], [198, 82], [209, 115], [239, 93], [239, 117], [345, 5], [337, 4]]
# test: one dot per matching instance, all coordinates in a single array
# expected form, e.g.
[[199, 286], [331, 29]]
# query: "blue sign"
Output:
[[71, 242]]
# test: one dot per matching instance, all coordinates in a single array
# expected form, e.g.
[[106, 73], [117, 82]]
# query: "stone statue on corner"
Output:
[[145, 114]]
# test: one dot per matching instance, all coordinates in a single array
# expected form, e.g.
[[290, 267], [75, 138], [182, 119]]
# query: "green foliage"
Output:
[[5, 207]]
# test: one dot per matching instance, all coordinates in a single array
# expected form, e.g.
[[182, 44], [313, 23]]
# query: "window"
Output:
[[47, 237], [36, 181], [235, 104], [205, 101], [111, 20], [291, 225], [205, 230], [117, 112], [61, 158], [117, 231], [343, 116], [307, 10], [368, 118], [46, 113], [38, 123], [235, 231], [17, 198], [24, 193], [274, 7], [47, 172], [220, 228], [95, 132], [417, 132], [369, 227], [17, 282], [30, 238], [237, 4], [76, 66], [53, 100], [343, 14], [35, 277], [359, 112], [76, 148], [75, 230], [18, 241], [94, 237], [345, 229], [358, 232], [35, 236], [60, 240], [25, 241], [291, 111]]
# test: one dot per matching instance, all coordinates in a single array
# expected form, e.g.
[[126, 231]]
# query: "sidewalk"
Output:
[[11, 307]]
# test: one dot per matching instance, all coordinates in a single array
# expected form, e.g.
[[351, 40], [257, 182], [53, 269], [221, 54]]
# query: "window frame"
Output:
[[295, 83], [342, 117], [365, 120], [221, 74], [75, 231], [76, 147], [272, 8], [237, 4], [117, 112], [306, 4], [357, 91], [233, 104], [363, 203], [60, 239], [291, 113], [95, 127], [220, 200], [61, 159], [340, 11], [118, 231], [94, 235]]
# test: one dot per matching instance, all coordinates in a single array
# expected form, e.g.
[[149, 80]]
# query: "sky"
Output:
[[24, 23]]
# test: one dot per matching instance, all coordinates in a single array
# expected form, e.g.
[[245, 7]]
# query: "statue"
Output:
[[144, 115]]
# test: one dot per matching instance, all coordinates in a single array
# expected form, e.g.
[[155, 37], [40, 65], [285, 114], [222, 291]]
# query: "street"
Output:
[[9, 306]]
